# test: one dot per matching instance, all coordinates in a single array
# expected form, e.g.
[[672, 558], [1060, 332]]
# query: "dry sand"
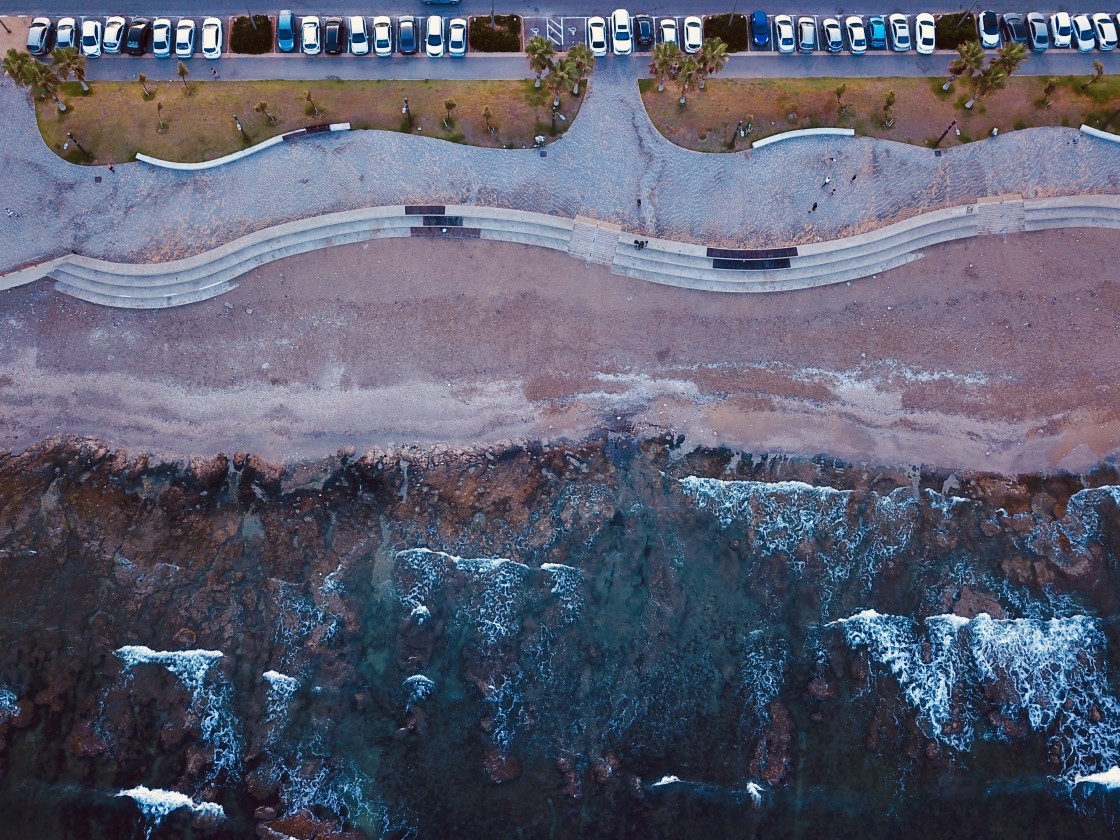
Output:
[[986, 354]]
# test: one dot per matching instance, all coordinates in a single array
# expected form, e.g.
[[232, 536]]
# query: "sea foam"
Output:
[[9, 703], [281, 689], [156, 804]]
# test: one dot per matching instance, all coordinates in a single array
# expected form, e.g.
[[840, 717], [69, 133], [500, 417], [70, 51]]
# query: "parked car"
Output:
[[113, 37], [359, 35], [39, 36], [1013, 29], [899, 31], [286, 31], [334, 36], [988, 26], [1105, 30], [136, 38], [211, 38], [161, 38], [693, 34], [66, 33], [925, 33], [833, 35], [433, 36], [806, 34], [597, 36], [1038, 35], [668, 30], [760, 29], [643, 31], [309, 35], [1061, 29], [457, 37], [383, 36], [857, 35], [783, 34], [622, 40], [876, 33], [184, 38], [91, 38], [406, 35], [1083, 37]]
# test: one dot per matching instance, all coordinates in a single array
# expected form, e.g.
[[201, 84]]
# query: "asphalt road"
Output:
[[107, 68]]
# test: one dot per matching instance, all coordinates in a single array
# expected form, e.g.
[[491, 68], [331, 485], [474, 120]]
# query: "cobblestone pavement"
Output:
[[611, 157]]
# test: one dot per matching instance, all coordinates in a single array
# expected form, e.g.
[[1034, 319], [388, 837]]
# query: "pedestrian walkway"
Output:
[[610, 158]]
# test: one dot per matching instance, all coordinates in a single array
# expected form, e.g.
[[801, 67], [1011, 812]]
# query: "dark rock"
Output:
[[501, 767], [265, 813], [185, 639], [971, 602]]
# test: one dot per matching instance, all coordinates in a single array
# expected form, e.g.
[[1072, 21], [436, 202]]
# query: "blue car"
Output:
[[286, 31], [876, 33], [760, 29]]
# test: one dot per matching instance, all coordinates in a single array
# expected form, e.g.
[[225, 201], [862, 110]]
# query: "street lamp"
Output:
[[948, 128], [738, 132], [237, 122], [74, 140]]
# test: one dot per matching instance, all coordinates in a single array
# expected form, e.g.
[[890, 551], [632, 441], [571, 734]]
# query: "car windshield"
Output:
[[433, 39]]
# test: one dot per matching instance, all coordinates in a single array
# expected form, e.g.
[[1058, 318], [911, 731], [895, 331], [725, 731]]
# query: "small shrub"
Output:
[[731, 28], [246, 39], [1020, 124], [952, 30], [504, 37]]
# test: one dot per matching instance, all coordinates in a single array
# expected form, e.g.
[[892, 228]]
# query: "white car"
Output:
[[433, 36], [184, 38], [667, 30], [898, 28], [309, 35], [693, 34], [1061, 30], [622, 32], [857, 35], [383, 36], [114, 35], [91, 38], [1083, 37], [359, 35], [211, 38], [597, 36], [161, 38], [924, 33], [783, 33], [457, 37], [1106, 31], [833, 35], [66, 34]]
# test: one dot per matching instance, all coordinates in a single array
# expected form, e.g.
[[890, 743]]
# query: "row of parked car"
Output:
[[876, 33], [625, 32], [137, 37], [384, 37], [1085, 32]]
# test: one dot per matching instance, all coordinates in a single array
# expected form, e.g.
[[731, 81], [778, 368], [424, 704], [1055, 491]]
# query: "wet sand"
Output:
[[986, 354]]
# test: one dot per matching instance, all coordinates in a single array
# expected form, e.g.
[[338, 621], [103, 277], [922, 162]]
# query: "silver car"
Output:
[[857, 35], [66, 35]]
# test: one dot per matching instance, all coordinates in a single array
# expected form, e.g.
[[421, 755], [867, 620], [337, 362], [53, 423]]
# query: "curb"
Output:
[[244, 153], [803, 132]]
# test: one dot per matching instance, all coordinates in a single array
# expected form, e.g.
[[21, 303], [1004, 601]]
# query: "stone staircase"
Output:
[[997, 217], [594, 241]]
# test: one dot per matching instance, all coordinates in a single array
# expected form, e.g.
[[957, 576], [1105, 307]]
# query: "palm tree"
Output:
[[44, 82], [488, 115], [888, 104], [18, 66], [159, 117], [970, 58], [991, 79], [311, 102], [841, 109], [143, 80], [1098, 71], [560, 77], [182, 72], [1011, 55], [583, 62], [262, 108], [540, 52], [711, 58], [1048, 91], [69, 62], [687, 77], [449, 106], [666, 59]]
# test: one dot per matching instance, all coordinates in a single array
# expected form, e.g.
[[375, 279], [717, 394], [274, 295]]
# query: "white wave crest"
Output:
[[419, 688], [156, 804], [9, 703], [281, 688], [1110, 778], [1063, 540]]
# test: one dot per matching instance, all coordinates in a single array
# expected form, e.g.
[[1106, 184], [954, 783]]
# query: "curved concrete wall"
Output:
[[235, 156], [803, 132]]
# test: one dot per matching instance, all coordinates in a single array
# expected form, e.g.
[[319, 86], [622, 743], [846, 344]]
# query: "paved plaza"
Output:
[[610, 158]]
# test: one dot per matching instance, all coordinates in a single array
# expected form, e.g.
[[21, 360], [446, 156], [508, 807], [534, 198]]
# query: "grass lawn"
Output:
[[921, 109], [115, 120]]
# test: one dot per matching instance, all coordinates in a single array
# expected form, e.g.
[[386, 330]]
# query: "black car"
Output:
[[643, 30], [1013, 29], [334, 36], [139, 33], [286, 31], [406, 35]]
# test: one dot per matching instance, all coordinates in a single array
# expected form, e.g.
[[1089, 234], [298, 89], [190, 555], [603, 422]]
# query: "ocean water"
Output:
[[621, 643]]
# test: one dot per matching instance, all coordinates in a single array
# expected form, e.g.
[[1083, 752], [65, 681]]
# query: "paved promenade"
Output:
[[610, 158]]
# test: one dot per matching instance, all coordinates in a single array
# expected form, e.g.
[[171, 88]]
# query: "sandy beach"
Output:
[[986, 354]]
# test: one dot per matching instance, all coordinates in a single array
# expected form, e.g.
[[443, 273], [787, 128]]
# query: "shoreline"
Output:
[[943, 362]]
